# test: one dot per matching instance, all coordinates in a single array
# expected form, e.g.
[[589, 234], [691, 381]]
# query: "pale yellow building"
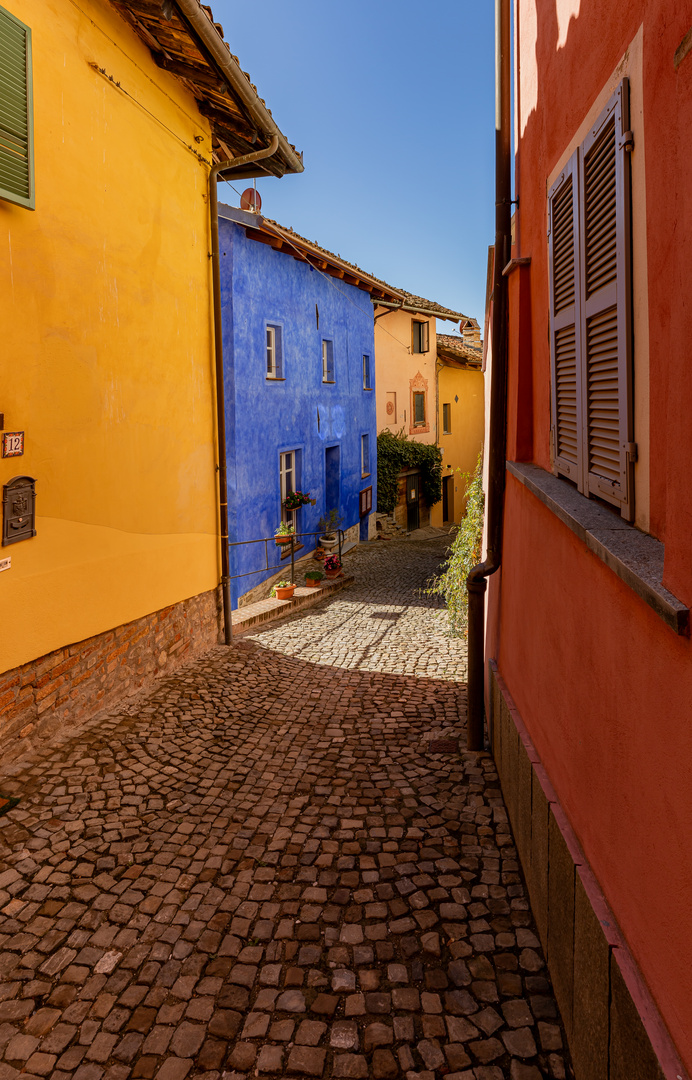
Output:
[[116, 116], [460, 419], [411, 376]]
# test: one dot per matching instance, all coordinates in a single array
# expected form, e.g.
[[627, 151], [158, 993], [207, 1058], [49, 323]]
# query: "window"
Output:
[[420, 336], [447, 419], [287, 474], [274, 353], [365, 502], [365, 455], [16, 113], [590, 312], [366, 373], [327, 361], [418, 408]]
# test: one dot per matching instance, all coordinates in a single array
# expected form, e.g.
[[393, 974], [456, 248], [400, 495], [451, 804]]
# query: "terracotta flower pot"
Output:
[[282, 540], [285, 593], [332, 573], [312, 583]]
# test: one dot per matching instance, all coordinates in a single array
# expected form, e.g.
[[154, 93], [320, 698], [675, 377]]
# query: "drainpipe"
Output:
[[476, 581], [239, 84], [216, 171], [390, 309]]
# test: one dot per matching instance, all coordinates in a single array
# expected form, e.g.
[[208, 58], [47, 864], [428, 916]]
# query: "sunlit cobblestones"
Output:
[[265, 869]]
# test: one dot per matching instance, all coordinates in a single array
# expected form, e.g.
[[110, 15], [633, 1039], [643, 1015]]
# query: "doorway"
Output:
[[412, 513], [332, 469], [448, 498]]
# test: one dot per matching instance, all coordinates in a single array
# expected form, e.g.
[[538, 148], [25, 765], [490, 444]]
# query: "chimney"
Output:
[[471, 333]]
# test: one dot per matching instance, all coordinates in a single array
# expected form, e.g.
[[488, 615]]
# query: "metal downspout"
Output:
[[389, 310], [476, 581], [216, 171], [238, 83]]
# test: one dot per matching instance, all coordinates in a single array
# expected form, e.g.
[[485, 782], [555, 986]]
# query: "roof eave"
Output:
[[203, 29]]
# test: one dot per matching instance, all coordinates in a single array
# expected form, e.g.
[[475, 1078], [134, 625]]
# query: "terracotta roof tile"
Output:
[[408, 299], [455, 348]]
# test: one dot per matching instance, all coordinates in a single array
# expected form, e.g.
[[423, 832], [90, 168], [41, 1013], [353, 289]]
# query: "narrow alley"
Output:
[[280, 862]]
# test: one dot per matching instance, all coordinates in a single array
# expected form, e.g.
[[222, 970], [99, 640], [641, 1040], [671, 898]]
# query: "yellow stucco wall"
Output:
[[396, 367], [106, 358], [462, 446]]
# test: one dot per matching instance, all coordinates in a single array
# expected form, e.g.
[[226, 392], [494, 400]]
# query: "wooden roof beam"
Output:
[[187, 71]]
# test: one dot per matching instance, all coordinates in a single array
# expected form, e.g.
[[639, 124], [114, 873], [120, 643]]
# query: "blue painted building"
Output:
[[299, 371]]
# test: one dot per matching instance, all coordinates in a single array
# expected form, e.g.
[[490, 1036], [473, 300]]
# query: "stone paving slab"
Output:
[[267, 869], [267, 610]]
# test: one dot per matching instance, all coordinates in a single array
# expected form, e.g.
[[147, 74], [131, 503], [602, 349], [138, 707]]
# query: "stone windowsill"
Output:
[[636, 558]]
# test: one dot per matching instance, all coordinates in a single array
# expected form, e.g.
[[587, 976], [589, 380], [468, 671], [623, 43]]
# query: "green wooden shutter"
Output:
[[566, 390], [16, 112], [606, 304]]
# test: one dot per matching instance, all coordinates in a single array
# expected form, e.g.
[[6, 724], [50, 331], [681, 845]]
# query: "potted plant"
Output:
[[284, 533], [313, 578], [329, 525], [332, 566], [283, 590], [295, 499]]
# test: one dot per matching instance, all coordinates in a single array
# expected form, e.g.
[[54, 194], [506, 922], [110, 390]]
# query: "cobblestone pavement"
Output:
[[277, 864]]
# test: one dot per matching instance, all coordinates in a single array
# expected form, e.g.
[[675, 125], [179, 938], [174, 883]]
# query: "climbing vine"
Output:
[[465, 553], [397, 452]]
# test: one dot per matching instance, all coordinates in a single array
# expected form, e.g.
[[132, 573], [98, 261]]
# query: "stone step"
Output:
[[266, 610]]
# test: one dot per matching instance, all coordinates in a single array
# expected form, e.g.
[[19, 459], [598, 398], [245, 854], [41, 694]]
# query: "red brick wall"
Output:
[[69, 685]]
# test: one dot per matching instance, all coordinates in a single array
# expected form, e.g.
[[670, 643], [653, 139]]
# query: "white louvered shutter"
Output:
[[606, 305], [566, 390]]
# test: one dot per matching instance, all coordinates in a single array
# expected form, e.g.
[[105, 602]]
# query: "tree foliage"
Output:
[[465, 553], [397, 452]]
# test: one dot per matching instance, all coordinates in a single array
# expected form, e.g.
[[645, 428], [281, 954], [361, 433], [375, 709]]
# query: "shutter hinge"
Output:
[[627, 142], [632, 453]]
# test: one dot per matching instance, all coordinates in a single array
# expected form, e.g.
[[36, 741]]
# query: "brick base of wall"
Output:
[[68, 686], [614, 1029]]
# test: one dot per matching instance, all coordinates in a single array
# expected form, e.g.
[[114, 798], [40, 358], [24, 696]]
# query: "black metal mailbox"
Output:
[[18, 510]]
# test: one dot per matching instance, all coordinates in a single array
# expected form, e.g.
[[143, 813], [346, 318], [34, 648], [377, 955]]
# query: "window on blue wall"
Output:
[[367, 385], [365, 455], [274, 353], [288, 478], [327, 361]]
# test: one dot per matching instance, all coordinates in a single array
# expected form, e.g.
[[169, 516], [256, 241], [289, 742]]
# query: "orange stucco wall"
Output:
[[603, 685], [609, 713]]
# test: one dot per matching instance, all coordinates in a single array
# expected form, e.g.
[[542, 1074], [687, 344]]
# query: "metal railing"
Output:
[[266, 540]]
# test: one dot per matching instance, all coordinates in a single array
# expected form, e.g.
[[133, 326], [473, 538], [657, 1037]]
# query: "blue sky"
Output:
[[392, 106]]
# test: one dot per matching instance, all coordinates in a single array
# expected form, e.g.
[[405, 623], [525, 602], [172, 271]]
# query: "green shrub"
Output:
[[397, 452], [465, 553]]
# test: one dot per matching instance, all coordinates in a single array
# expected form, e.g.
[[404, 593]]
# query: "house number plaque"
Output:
[[12, 443], [18, 510]]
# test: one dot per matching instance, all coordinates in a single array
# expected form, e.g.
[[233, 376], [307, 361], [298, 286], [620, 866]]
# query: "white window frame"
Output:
[[274, 357], [327, 347], [364, 441], [287, 483]]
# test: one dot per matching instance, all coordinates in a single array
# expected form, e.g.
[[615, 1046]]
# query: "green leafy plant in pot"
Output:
[[329, 524], [313, 578], [283, 590], [283, 534]]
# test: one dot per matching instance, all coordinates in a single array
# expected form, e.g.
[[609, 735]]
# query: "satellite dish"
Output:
[[250, 200]]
